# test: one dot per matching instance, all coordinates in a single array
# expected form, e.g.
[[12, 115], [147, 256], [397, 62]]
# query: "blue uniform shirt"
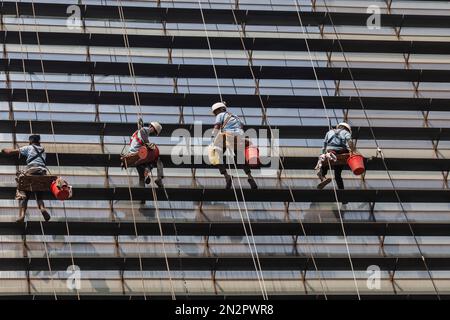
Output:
[[336, 139], [30, 152], [233, 125]]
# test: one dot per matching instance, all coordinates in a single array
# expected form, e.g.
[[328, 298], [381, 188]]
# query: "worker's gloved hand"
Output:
[[140, 123], [150, 145]]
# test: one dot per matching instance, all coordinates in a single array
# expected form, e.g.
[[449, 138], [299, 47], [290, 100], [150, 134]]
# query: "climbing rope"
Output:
[[264, 112], [138, 103], [31, 132], [252, 246], [381, 153], [341, 220]]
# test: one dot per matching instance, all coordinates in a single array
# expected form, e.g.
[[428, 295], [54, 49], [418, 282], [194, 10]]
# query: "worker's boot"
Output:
[[228, 181], [45, 214], [323, 181], [21, 216], [159, 183], [252, 182]]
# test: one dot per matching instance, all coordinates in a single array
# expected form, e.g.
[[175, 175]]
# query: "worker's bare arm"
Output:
[[10, 151], [216, 130]]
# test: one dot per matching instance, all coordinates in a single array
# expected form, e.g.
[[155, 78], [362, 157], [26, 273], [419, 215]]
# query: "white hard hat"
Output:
[[157, 126], [345, 125], [217, 105]]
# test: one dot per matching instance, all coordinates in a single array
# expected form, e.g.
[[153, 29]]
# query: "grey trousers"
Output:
[[148, 166], [24, 196]]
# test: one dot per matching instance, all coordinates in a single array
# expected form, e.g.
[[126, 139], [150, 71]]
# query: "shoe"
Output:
[[159, 183], [252, 183], [46, 215], [228, 182], [323, 183]]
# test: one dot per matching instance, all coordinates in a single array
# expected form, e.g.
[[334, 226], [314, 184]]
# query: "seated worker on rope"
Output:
[[36, 165], [337, 141], [139, 139], [228, 132]]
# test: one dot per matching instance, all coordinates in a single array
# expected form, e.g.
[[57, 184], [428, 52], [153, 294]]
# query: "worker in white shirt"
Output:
[[228, 132]]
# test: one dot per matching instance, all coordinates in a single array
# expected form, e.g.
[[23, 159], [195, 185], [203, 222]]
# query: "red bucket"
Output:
[[148, 155], [356, 164], [61, 192], [252, 156]]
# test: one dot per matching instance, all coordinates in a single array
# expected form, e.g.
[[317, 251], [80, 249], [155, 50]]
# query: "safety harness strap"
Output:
[[137, 137], [38, 154], [336, 133], [227, 119]]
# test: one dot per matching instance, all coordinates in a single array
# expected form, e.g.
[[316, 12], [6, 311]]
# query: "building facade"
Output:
[[81, 73]]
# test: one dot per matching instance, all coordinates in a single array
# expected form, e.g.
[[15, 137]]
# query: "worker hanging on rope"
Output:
[[337, 146], [144, 163], [36, 166], [228, 133]]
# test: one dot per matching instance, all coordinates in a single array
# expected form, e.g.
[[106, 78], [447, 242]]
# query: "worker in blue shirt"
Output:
[[337, 141], [35, 157], [228, 132]]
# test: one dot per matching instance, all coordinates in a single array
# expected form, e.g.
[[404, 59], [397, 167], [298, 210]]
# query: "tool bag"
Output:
[[341, 159], [146, 154], [34, 179]]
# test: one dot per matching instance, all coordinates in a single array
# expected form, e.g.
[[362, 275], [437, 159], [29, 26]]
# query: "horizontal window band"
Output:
[[216, 228], [195, 42], [223, 71], [284, 131], [289, 163], [274, 262], [82, 192], [238, 100], [224, 16]]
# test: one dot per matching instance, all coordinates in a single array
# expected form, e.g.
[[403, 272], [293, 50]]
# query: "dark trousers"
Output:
[[149, 166], [337, 169], [337, 175]]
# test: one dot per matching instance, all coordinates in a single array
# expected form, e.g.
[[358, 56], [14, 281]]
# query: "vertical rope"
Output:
[[254, 256], [53, 134], [264, 112], [381, 153], [138, 103], [31, 132]]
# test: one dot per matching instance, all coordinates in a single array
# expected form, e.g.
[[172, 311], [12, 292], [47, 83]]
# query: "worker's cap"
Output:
[[218, 105], [34, 138], [157, 126], [345, 125]]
